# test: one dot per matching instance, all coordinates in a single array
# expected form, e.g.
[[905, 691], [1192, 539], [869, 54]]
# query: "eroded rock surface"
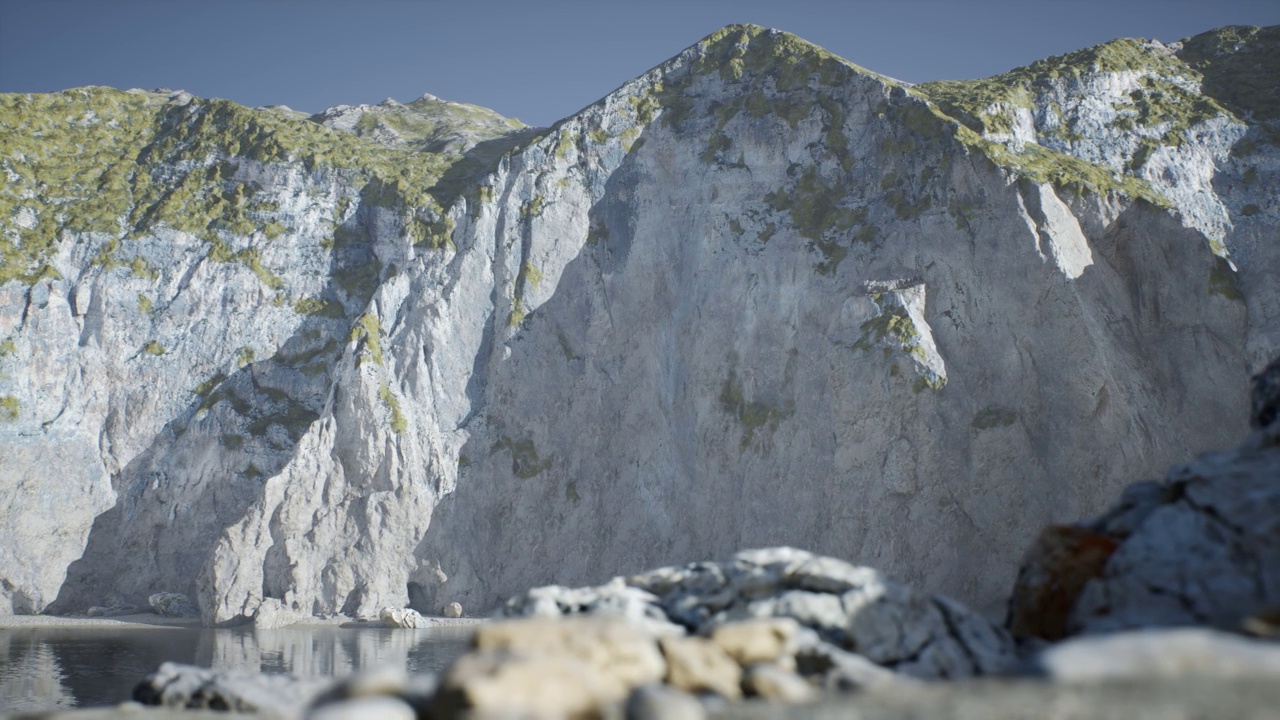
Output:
[[756, 296]]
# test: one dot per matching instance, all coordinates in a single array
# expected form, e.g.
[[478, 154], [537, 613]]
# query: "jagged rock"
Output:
[[453, 610], [698, 665], [849, 607], [402, 618], [616, 598], [1201, 548], [350, 356], [1158, 654], [175, 685], [173, 605]]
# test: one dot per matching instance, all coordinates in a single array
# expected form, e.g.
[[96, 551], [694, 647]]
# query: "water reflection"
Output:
[[51, 668]]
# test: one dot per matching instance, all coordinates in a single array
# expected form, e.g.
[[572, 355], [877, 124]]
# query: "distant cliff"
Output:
[[756, 296]]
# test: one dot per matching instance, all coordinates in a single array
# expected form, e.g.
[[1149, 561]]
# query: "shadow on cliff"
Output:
[[480, 509], [208, 465]]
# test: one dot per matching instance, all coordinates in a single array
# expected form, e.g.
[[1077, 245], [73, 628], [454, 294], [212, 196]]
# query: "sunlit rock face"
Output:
[[757, 296]]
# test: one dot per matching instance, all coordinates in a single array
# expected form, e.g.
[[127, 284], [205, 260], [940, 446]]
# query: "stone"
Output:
[[173, 605], [614, 647], [662, 702], [863, 611], [453, 610], [698, 665], [772, 682], [1162, 653], [402, 618], [174, 685], [750, 642], [502, 684]]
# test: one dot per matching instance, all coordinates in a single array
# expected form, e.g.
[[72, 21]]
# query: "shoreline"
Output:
[[151, 621]]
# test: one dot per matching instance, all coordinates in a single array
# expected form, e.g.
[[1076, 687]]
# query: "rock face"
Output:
[[1200, 548], [756, 296], [853, 609]]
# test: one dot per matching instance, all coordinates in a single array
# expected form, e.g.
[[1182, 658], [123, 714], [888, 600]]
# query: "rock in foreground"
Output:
[[1200, 548], [851, 609]]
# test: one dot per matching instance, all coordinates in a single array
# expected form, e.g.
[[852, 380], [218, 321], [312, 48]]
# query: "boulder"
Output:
[[615, 647], [453, 610], [173, 605], [698, 665], [402, 618], [1201, 547], [852, 608], [545, 667], [174, 685]]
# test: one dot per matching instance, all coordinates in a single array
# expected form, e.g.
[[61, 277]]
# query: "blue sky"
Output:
[[538, 60]]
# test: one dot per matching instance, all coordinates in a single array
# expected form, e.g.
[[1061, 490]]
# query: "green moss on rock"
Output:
[[9, 407], [525, 462], [751, 415], [398, 422]]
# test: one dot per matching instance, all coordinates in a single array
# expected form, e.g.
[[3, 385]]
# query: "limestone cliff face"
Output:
[[756, 296]]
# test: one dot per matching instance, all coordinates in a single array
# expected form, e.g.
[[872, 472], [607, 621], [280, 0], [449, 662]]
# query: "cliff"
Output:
[[756, 296]]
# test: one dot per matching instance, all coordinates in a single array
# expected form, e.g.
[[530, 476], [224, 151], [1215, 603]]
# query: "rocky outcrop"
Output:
[[172, 605], [1201, 547], [757, 296], [175, 685], [853, 609]]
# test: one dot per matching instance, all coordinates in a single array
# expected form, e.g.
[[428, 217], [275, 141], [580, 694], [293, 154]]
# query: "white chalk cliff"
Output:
[[757, 296]]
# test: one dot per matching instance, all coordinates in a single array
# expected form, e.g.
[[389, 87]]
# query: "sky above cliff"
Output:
[[538, 60]]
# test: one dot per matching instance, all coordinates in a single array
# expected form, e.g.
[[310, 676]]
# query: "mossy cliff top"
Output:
[[117, 162], [750, 53], [427, 124]]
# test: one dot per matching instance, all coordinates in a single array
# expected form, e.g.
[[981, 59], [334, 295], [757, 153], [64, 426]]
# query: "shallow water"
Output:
[[51, 668]]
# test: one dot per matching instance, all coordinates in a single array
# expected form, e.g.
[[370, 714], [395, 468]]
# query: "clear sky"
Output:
[[538, 60]]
